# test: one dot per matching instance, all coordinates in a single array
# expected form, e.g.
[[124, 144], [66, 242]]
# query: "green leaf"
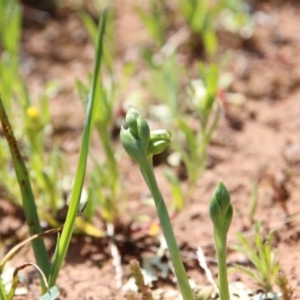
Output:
[[81, 167], [29, 205], [89, 25]]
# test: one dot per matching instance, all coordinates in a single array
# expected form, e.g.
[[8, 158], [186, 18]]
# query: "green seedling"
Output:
[[27, 195], [51, 272], [30, 209], [202, 96], [262, 257], [33, 123], [141, 145], [235, 18], [205, 17], [221, 212], [12, 85], [200, 17], [46, 169], [253, 201], [164, 84], [64, 240], [198, 96], [105, 184], [154, 19], [10, 12]]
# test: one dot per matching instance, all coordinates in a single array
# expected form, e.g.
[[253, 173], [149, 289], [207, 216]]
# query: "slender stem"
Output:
[[220, 240], [163, 215]]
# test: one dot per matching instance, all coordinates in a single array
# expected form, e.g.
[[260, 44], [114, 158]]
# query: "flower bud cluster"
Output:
[[138, 141]]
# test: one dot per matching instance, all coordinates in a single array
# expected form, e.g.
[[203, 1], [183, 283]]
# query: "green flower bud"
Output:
[[133, 146], [220, 208], [131, 120], [160, 134], [138, 126], [159, 141], [138, 141]]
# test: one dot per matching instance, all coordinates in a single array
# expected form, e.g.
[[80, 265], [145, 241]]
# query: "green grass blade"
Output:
[[254, 274], [90, 26], [79, 177], [27, 194], [247, 249]]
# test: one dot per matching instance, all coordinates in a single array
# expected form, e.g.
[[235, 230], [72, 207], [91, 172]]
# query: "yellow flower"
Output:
[[154, 229], [33, 112]]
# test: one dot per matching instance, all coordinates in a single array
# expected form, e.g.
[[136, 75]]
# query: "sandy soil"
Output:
[[259, 140]]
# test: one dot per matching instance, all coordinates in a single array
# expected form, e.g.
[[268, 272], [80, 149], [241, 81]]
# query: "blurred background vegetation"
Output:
[[180, 79]]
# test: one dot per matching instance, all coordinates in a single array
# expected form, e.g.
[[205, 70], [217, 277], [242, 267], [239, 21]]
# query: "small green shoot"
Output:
[[205, 18], [154, 19], [10, 32], [33, 123], [261, 255], [198, 95], [200, 17], [253, 201], [141, 145], [221, 213], [29, 205], [202, 96], [66, 235], [104, 184]]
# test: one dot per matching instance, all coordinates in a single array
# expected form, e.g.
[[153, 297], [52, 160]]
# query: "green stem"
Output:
[[163, 215], [220, 240]]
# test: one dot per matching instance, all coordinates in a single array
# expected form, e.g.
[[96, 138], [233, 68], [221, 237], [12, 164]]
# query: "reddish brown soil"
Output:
[[259, 140]]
